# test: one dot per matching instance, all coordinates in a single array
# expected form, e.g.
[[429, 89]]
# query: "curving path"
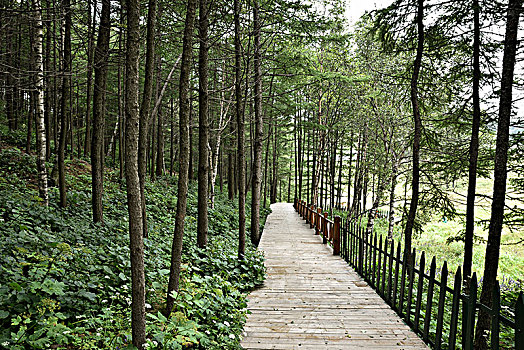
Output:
[[314, 300]]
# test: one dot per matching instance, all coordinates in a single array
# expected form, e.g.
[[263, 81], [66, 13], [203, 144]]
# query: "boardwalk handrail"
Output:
[[317, 219], [381, 265]]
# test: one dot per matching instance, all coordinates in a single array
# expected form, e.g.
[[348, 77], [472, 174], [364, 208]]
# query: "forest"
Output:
[[142, 143]]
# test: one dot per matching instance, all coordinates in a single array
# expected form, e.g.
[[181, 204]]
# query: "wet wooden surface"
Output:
[[314, 300]]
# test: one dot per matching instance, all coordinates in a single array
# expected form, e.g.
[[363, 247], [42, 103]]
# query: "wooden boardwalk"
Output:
[[314, 300]]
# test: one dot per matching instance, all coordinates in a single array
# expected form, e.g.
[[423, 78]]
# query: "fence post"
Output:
[[324, 228], [336, 236], [519, 320], [360, 240], [471, 301], [317, 221], [312, 214]]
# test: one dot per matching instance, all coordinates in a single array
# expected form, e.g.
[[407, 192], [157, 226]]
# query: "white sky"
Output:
[[356, 8]]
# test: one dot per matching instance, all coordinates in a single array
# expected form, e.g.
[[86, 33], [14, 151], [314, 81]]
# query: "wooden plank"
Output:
[[314, 300]]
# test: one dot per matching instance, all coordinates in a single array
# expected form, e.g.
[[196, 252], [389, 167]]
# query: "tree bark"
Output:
[[176, 250], [48, 95], [501, 172], [259, 132], [160, 166], [408, 231], [240, 138], [97, 141], [349, 170], [38, 96], [145, 120], [203, 127], [90, 41], [394, 174], [138, 311], [473, 146], [64, 104]]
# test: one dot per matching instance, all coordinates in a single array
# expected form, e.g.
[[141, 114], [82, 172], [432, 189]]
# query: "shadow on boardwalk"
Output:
[[314, 300]]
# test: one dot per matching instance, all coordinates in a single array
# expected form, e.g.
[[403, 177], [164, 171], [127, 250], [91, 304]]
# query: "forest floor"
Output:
[[65, 282]]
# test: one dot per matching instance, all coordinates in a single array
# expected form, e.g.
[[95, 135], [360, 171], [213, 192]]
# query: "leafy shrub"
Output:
[[65, 282]]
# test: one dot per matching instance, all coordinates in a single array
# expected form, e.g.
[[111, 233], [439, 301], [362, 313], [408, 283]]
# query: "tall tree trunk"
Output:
[[501, 172], [203, 127], [145, 106], [160, 166], [240, 138], [97, 142], [121, 112], [10, 80], [191, 155], [349, 170], [473, 146], [259, 132], [64, 105], [90, 43], [307, 165], [172, 138], [38, 96], [408, 231], [138, 311], [266, 160], [394, 174], [339, 186], [274, 173], [176, 250], [47, 68]]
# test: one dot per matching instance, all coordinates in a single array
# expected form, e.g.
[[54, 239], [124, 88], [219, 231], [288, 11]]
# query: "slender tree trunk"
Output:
[[64, 105], [191, 155], [259, 133], [97, 143], [90, 44], [203, 126], [38, 96], [266, 160], [160, 165], [274, 174], [145, 106], [159, 154], [138, 311], [394, 174], [289, 182], [473, 146], [240, 138], [172, 139], [29, 134], [47, 100], [121, 112], [349, 170], [339, 187], [501, 172], [408, 231], [176, 250]]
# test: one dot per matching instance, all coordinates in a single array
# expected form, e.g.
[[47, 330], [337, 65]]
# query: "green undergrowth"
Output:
[[65, 282]]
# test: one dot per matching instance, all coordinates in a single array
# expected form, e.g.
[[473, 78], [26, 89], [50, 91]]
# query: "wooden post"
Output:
[[317, 224], [468, 327], [312, 216], [324, 228], [336, 236]]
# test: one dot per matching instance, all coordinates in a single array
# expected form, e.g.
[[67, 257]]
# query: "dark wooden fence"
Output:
[[440, 312]]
